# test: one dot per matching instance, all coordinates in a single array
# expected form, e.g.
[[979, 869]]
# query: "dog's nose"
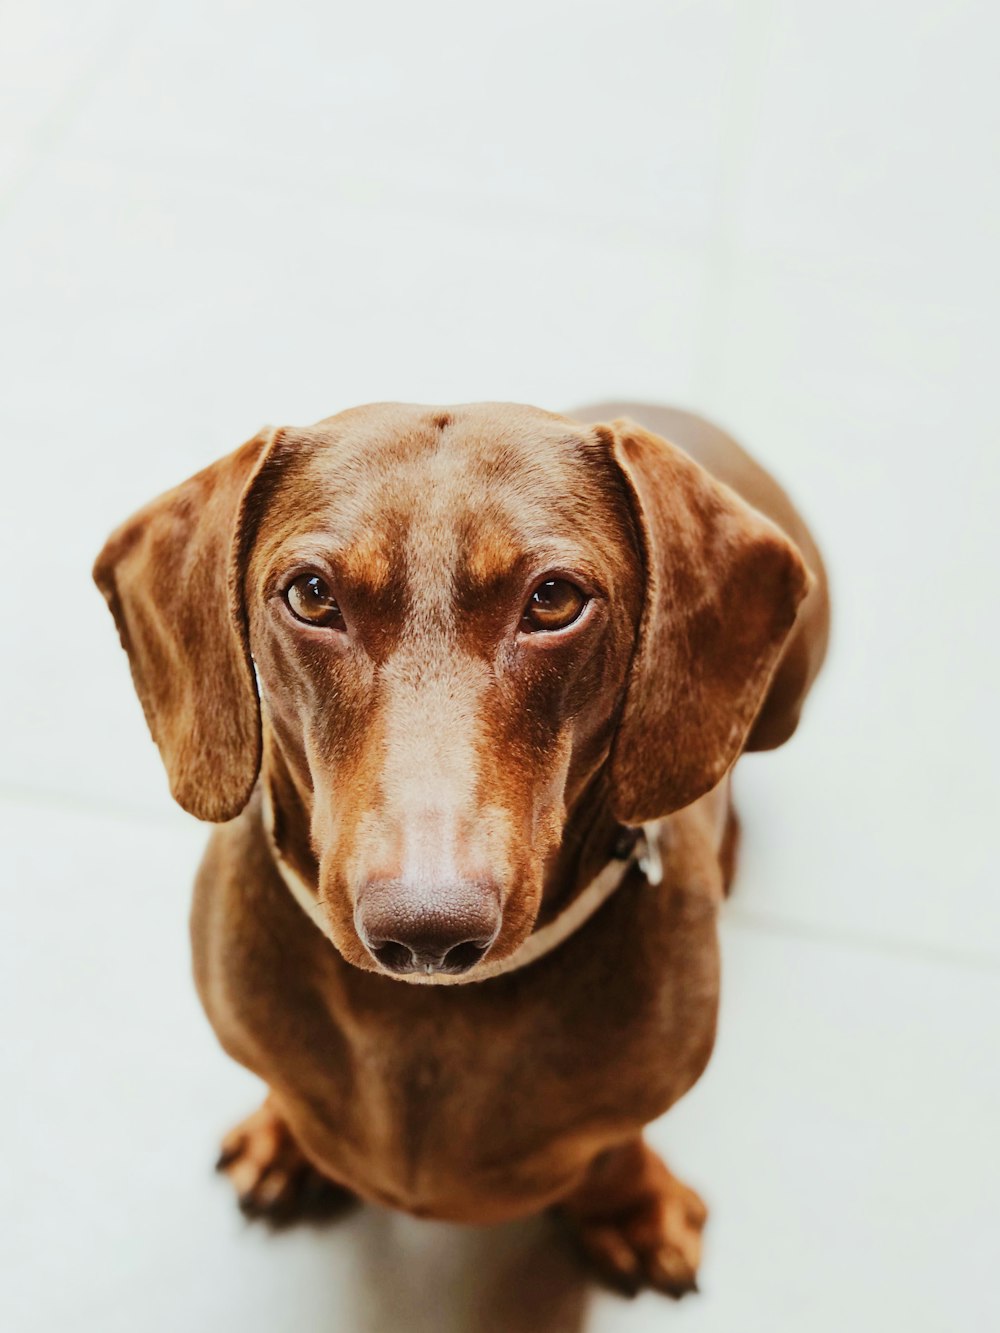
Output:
[[447, 930]]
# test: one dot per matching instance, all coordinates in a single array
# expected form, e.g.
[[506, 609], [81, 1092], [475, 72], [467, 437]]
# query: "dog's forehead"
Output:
[[472, 487], [476, 452]]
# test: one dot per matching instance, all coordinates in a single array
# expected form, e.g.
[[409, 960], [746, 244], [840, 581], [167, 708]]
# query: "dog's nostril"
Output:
[[463, 956], [399, 958], [395, 957]]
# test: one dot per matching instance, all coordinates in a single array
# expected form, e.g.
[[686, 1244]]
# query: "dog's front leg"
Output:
[[636, 1223], [271, 1174]]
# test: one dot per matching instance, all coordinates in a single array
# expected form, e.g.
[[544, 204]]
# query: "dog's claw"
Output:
[[639, 1226], [226, 1155], [628, 1257], [272, 1177]]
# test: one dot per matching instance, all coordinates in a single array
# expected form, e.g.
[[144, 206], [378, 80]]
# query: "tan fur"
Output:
[[435, 754]]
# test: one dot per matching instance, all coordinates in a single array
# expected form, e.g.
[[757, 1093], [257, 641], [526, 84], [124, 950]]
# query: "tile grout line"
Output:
[[733, 913], [751, 45], [72, 803], [46, 138], [388, 198], [844, 937]]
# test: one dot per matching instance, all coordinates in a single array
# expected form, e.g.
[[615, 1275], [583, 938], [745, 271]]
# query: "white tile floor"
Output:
[[214, 214]]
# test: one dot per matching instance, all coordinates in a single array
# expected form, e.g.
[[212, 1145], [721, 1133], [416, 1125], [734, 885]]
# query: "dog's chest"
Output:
[[501, 1091], [480, 1100]]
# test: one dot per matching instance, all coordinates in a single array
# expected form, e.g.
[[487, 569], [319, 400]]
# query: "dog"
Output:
[[462, 689]]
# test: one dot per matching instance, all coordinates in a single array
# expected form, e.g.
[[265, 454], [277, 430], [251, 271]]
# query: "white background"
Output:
[[214, 215]]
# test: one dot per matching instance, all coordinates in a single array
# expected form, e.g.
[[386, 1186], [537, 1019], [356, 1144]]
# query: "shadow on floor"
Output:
[[432, 1277]]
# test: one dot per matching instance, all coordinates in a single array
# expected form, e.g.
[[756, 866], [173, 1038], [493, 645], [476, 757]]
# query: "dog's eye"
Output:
[[554, 604], [311, 600]]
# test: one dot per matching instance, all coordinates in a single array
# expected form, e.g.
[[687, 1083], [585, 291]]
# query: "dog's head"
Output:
[[454, 622]]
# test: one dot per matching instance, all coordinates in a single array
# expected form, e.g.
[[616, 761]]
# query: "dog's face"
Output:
[[459, 619], [442, 608]]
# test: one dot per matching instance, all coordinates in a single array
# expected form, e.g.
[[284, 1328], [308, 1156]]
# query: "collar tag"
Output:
[[648, 855]]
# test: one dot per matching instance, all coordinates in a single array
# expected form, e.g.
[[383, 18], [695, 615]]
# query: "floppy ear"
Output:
[[722, 587], [172, 576]]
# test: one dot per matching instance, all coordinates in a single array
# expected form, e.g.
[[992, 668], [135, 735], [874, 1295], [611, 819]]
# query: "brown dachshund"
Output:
[[462, 688]]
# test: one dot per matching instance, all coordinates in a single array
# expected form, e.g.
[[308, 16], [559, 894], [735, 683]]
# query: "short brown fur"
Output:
[[435, 744]]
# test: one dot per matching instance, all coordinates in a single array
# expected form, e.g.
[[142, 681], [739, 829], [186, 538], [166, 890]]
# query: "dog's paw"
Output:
[[657, 1244], [645, 1232], [271, 1175]]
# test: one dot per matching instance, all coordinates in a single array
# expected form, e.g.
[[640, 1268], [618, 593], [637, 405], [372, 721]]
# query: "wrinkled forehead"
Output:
[[466, 495]]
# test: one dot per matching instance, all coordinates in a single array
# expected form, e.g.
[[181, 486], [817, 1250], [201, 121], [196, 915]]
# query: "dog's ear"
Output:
[[173, 578], [722, 587]]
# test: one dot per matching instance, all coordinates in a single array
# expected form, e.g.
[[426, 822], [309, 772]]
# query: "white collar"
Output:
[[645, 853]]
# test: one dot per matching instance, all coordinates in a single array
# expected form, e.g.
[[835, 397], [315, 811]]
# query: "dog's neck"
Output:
[[591, 838]]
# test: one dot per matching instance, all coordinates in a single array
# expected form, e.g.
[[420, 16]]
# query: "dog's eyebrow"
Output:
[[495, 561], [569, 559], [364, 561]]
